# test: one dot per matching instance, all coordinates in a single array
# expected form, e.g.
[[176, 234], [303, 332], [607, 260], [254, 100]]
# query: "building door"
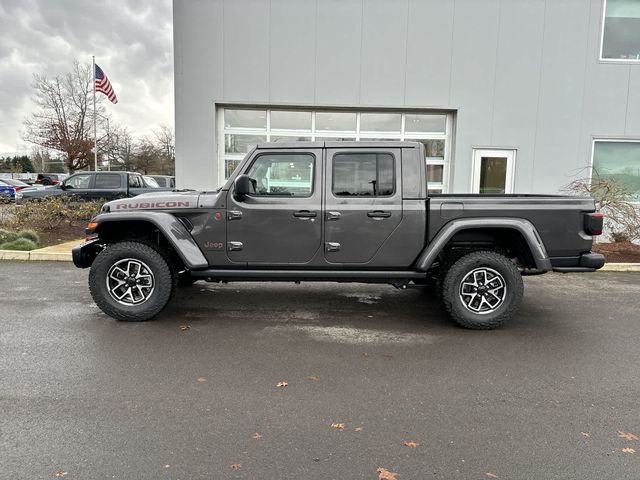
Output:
[[493, 171], [281, 222], [363, 203]]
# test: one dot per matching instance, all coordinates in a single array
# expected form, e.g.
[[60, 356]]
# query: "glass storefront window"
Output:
[[621, 32], [380, 122], [425, 123], [619, 161], [290, 120], [245, 118], [336, 121]]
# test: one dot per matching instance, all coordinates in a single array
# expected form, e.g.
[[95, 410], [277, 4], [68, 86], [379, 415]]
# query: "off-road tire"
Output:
[[454, 304], [165, 280]]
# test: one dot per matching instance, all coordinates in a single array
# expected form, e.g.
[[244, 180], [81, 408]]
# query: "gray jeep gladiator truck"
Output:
[[340, 212]]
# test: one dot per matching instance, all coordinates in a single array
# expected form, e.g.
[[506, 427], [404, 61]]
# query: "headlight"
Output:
[[18, 194]]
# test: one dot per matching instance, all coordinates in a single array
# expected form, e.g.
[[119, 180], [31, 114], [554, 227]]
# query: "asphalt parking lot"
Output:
[[545, 397]]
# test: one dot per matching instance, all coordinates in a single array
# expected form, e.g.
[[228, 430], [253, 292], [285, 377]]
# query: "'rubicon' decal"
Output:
[[134, 205]]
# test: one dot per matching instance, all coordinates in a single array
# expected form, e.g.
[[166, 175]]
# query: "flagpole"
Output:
[[95, 134]]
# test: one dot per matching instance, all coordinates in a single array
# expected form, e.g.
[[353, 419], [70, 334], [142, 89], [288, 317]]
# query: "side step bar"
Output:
[[310, 275]]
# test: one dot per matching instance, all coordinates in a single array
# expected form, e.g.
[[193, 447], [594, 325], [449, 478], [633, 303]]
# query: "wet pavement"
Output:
[[194, 392]]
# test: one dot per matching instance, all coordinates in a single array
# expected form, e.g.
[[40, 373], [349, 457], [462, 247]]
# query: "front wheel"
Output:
[[482, 290], [131, 281]]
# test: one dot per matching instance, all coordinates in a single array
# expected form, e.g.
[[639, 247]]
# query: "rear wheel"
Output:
[[131, 281], [482, 290]]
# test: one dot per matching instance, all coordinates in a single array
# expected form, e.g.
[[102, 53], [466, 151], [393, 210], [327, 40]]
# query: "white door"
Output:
[[493, 170]]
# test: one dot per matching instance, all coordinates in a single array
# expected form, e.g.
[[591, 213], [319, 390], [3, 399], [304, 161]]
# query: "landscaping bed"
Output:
[[619, 252]]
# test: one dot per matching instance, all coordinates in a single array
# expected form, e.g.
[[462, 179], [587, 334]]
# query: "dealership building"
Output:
[[513, 96]]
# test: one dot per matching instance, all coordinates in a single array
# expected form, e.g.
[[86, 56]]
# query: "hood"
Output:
[[162, 200]]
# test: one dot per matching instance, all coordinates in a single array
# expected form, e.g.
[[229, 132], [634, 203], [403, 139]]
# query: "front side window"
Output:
[[283, 174], [78, 181], [618, 161], [621, 30], [363, 175], [135, 181], [107, 181]]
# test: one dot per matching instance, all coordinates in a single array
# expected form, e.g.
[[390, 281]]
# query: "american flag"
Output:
[[103, 85]]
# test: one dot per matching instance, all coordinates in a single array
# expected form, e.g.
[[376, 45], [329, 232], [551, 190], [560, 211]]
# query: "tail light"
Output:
[[593, 223]]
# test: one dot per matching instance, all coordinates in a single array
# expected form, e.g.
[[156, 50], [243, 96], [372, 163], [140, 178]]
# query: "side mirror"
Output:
[[62, 186], [243, 186]]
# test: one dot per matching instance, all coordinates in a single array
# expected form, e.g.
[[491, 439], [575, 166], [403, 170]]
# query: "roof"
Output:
[[349, 144]]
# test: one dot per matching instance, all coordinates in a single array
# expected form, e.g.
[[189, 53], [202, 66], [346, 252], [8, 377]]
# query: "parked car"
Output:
[[91, 186], [342, 212], [47, 179], [17, 184], [7, 192], [163, 181]]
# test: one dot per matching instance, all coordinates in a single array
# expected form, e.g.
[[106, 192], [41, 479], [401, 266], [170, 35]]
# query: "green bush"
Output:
[[19, 244], [29, 235], [7, 236]]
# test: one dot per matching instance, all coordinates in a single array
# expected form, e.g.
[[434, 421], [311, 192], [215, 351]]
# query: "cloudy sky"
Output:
[[132, 42]]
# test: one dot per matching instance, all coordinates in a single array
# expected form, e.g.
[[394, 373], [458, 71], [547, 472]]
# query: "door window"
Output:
[[283, 174], [135, 181], [107, 181], [363, 175], [78, 181]]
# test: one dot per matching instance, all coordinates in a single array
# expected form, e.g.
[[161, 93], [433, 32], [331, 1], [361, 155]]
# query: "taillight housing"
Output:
[[593, 223]]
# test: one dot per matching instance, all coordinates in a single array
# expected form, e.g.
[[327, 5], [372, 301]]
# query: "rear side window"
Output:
[[363, 175], [107, 180], [135, 181]]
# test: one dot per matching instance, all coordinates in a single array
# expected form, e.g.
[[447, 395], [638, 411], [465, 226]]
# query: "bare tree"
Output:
[[63, 120], [146, 158], [165, 144], [622, 217]]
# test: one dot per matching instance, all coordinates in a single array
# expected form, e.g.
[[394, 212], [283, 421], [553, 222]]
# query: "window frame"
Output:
[[262, 154], [446, 161], [363, 152], [610, 140], [603, 19]]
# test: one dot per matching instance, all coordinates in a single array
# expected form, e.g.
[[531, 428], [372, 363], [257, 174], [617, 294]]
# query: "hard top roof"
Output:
[[338, 144]]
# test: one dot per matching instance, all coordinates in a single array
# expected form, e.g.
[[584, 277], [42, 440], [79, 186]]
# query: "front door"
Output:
[[280, 223], [493, 170], [363, 203]]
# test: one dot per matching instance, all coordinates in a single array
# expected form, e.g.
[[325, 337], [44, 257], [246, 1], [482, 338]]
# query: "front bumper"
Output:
[[84, 254], [586, 262]]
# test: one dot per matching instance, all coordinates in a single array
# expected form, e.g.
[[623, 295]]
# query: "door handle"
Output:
[[332, 246], [378, 214], [305, 214], [333, 215]]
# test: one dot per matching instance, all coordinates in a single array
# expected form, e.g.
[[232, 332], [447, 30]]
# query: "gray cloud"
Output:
[[132, 42]]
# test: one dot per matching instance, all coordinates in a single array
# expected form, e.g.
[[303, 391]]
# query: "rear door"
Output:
[[78, 185], [363, 203], [136, 185]]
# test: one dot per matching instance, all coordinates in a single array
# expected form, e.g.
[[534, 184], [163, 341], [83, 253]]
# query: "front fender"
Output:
[[174, 231], [525, 227]]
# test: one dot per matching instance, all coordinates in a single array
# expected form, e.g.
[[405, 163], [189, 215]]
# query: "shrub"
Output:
[[7, 236], [29, 235], [49, 213], [19, 244]]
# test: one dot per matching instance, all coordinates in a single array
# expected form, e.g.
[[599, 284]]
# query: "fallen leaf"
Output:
[[627, 436], [384, 474], [282, 384], [357, 429], [167, 466], [628, 450], [60, 474], [201, 380], [491, 475], [411, 444], [387, 355], [365, 354], [184, 327], [339, 426], [585, 434], [236, 466], [313, 378], [256, 435]]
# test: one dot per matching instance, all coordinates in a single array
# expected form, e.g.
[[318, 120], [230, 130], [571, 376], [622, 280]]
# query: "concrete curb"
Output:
[[620, 267]]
